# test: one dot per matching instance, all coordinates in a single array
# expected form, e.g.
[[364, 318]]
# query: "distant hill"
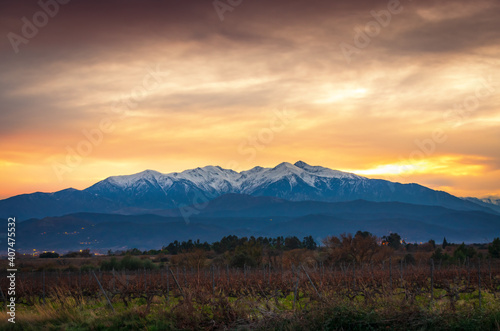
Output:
[[244, 215]]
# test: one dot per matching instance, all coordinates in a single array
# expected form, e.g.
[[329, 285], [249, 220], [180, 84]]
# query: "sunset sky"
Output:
[[169, 85]]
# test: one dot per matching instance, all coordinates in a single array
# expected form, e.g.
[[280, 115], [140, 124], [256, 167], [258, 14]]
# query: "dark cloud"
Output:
[[463, 34]]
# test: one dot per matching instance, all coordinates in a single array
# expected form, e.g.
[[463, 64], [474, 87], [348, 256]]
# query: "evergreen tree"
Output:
[[445, 243], [309, 243]]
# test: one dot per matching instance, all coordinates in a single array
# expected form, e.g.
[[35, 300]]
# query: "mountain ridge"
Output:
[[152, 190]]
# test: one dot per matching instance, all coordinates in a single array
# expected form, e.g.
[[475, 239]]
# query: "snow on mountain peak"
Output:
[[285, 167], [326, 172], [259, 176], [128, 180], [252, 171], [217, 179], [213, 177], [310, 175]]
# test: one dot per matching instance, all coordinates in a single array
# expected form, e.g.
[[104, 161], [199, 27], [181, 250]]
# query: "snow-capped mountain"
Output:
[[296, 182], [151, 190], [220, 180]]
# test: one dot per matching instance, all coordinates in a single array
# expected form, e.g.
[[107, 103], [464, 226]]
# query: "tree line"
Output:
[[361, 247]]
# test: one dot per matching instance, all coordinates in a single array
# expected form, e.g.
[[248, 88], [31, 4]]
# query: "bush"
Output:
[[438, 255], [131, 263], [49, 255], [82, 253], [110, 264], [463, 252], [241, 259], [47, 267], [87, 267], [127, 263], [72, 268]]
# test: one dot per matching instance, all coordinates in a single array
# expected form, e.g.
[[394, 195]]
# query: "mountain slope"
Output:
[[240, 205], [39, 204]]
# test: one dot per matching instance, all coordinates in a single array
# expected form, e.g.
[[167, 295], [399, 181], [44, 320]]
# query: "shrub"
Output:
[[49, 255], [87, 267], [463, 252], [127, 263], [82, 253]]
